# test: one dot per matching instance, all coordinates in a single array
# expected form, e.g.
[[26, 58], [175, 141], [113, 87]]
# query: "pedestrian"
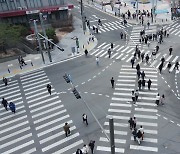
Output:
[[169, 66], [141, 129], [112, 45], [22, 61], [139, 54], [67, 129], [96, 30], [154, 54], [131, 123], [170, 50], [167, 33], [139, 84], [143, 75], [160, 68], [138, 74], [12, 107], [97, 60], [86, 52], [91, 145], [149, 84], [109, 52], [19, 59], [143, 83], [5, 80], [49, 88], [112, 82], [157, 48], [132, 62], [133, 97], [134, 132], [157, 99], [136, 95], [162, 99], [162, 60], [142, 56], [177, 65], [121, 35], [138, 67], [79, 151], [85, 149], [147, 58], [84, 116], [134, 126], [4, 103], [148, 24]]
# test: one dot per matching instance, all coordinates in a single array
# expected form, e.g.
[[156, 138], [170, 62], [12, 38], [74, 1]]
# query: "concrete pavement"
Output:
[[34, 61]]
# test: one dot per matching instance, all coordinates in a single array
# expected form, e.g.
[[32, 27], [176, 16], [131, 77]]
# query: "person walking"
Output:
[[12, 107], [134, 119], [67, 129], [160, 68], [22, 61], [131, 123], [97, 60], [92, 145], [5, 80], [154, 54], [162, 99], [137, 67], [85, 149], [134, 132], [170, 50], [139, 84], [157, 99], [143, 83], [86, 52], [143, 75], [149, 84], [109, 52], [84, 116], [112, 82], [169, 66], [132, 62], [142, 56], [177, 65], [133, 96], [49, 88], [162, 60], [79, 151], [147, 58], [141, 129], [138, 74], [4, 103], [148, 24], [136, 95], [112, 46]]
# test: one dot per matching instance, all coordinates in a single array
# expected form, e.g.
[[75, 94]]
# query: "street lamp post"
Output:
[[38, 38], [137, 10], [119, 7], [45, 35]]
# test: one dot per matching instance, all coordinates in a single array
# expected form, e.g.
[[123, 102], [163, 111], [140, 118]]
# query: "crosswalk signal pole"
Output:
[[45, 35], [111, 128], [83, 17], [137, 10], [38, 38]]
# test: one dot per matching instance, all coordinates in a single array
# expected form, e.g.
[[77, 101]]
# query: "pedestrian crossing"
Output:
[[135, 35], [173, 28], [48, 115], [15, 135], [109, 26], [126, 53], [37, 125], [122, 108]]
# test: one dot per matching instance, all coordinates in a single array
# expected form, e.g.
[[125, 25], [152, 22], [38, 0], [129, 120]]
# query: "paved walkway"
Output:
[[34, 61], [160, 19]]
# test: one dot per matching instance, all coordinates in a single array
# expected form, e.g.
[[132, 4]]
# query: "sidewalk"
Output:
[[160, 19], [34, 61]]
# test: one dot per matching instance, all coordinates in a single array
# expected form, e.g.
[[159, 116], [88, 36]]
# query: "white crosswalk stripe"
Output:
[[173, 28], [121, 109]]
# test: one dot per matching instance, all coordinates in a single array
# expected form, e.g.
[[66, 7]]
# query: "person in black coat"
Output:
[[49, 88], [149, 83], [91, 145], [79, 151], [4, 103]]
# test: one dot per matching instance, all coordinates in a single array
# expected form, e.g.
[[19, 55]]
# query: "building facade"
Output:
[[22, 11]]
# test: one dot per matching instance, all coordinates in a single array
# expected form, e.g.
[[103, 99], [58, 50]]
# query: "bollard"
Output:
[[31, 64], [20, 67], [9, 70]]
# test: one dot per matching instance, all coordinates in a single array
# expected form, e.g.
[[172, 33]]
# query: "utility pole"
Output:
[[137, 10], [45, 35], [38, 38], [83, 17]]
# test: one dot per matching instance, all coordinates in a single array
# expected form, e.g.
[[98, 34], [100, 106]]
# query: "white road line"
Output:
[[146, 110], [152, 140], [30, 151], [144, 148], [31, 74], [34, 87], [103, 139], [121, 99], [147, 124], [60, 142], [117, 132], [175, 59], [32, 77], [145, 116], [35, 83], [39, 98], [108, 149], [119, 111], [120, 48], [51, 122], [99, 53], [125, 89], [34, 80], [119, 117], [94, 52], [80, 142], [117, 124], [146, 104]]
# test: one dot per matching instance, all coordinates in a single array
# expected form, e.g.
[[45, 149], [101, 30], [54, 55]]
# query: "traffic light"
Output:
[[66, 78], [76, 93]]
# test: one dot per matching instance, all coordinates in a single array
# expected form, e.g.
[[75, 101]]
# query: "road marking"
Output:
[[145, 148]]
